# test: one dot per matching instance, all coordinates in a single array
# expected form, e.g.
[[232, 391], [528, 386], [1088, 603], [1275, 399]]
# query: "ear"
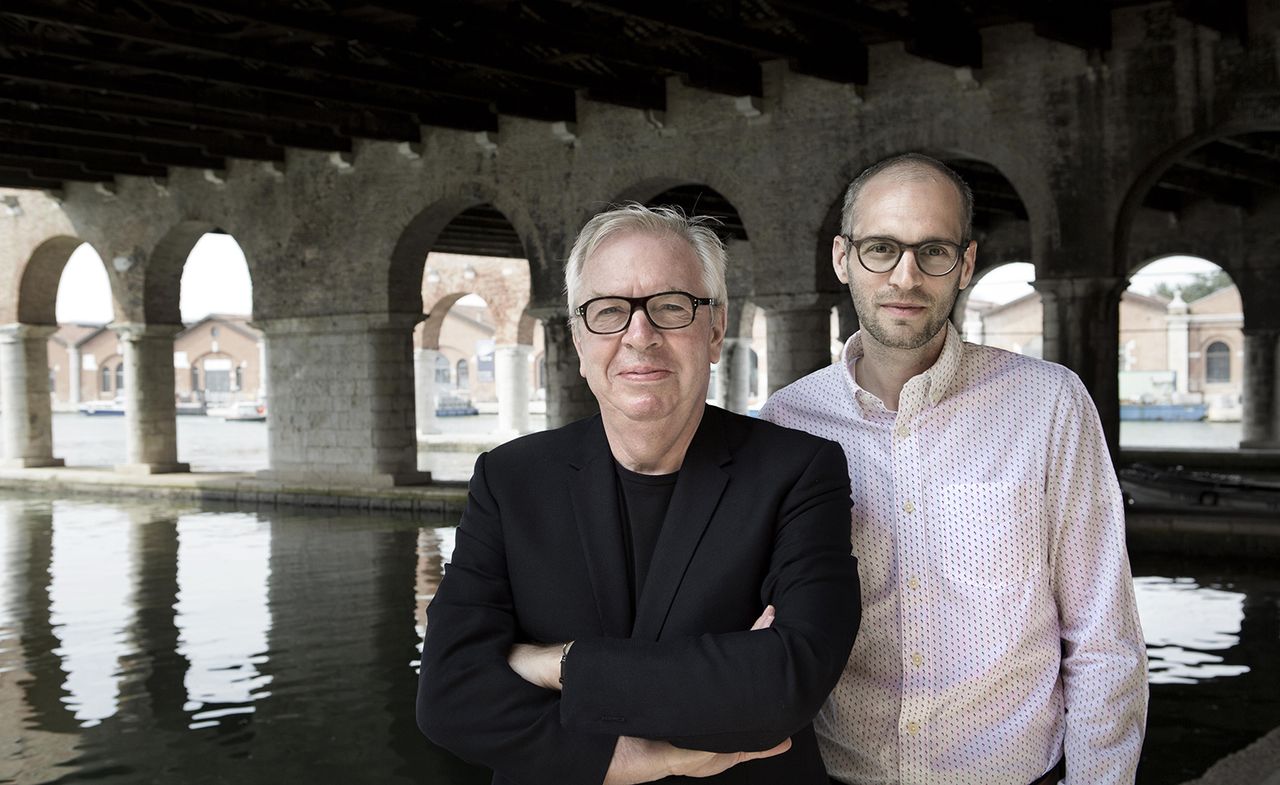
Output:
[[967, 263], [719, 320], [577, 347], [839, 260]]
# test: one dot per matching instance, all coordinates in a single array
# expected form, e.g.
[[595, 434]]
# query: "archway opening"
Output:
[[1003, 310], [476, 374], [86, 366], [1181, 356], [218, 361]]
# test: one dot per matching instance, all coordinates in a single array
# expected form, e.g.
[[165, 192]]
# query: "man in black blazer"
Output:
[[662, 591]]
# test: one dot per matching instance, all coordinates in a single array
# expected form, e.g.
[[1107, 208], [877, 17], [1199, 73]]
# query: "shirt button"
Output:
[[917, 659], [903, 431], [908, 507], [913, 582], [913, 728]]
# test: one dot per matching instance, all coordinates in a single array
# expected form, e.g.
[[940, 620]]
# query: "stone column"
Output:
[[1178, 332], [739, 375], [424, 390], [1082, 332], [24, 388], [799, 340], [342, 400], [151, 428], [511, 374], [262, 371], [74, 373], [1261, 407], [568, 396]]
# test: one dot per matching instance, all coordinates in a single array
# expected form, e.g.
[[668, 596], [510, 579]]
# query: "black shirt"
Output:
[[643, 502]]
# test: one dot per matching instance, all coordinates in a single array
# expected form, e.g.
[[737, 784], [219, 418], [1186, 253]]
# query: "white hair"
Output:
[[657, 221]]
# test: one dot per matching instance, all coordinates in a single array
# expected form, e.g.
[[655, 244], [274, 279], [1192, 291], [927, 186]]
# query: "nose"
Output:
[[907, 274], [640, 333]]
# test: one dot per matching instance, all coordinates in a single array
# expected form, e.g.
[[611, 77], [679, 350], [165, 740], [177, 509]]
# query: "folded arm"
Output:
[[739, 690]]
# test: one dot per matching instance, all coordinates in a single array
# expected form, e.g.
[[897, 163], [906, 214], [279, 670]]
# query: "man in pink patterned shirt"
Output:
[[1000, 642]]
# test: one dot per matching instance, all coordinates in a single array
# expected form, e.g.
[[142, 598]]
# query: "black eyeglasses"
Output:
[[882, 254], [666, 311]]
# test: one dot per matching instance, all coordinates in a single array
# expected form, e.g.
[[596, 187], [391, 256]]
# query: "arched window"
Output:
[[104, 384], [119, 377], [443, 375], [464, 374], [1217, 363]]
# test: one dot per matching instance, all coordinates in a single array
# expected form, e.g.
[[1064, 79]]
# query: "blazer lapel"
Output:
[[593, 491], [695, 498]]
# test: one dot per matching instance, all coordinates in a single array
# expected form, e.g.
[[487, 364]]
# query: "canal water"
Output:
[[147, 643]]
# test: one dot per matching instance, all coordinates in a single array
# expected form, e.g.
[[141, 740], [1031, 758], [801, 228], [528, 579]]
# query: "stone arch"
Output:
[[435, 319], [162, 274], [422, 233], [38, 290], [1247, 305], [1148, 176]]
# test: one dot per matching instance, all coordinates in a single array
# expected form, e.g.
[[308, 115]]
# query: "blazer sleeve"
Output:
[[469, 700], [741, 690]]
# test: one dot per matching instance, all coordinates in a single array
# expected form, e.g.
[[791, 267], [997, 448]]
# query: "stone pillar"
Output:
[[511, 374], [568, 396], [262, 371], [342, 400], [737, 367], [424, 390], [1178, 333], [151, 427], [847, 315], [24, 388], [73, 375], [1261, 379], [799, 341], [1082, 332]]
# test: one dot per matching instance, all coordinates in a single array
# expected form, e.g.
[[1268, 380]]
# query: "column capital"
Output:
[[548, 313], [1080, 286], [19, 331], [338, 323], [809, 301]]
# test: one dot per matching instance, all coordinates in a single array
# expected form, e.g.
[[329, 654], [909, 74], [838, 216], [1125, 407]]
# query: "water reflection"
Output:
[[89, 612], [1183, 622], [223, 570], [146, 643]]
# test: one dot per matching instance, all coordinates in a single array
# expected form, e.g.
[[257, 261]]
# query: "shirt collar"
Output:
[[938, 379]]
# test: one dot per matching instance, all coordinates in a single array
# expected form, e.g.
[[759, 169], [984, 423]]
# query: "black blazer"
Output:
[[759, 515]]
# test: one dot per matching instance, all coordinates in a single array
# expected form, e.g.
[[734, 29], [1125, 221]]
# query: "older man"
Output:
[[664, 589], [999, 628]]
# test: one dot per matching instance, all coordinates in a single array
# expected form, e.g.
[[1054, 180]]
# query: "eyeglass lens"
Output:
[[667, 311], [880, 254]]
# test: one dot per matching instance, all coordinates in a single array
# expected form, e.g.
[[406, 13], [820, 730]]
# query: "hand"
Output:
[[641, 760], [766, 618], [537, 664]]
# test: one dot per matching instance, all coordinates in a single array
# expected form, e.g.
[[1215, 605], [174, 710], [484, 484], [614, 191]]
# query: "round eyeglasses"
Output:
[[882, 254], [666, 311]]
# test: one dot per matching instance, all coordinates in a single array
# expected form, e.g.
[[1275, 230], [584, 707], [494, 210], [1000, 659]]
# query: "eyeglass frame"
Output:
[[961, 247], [642, 303]]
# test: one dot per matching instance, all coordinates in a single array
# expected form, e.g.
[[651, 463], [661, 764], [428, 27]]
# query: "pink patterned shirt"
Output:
[[999, 628]]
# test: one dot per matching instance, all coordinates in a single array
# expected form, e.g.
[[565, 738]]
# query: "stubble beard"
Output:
[[870, 319]]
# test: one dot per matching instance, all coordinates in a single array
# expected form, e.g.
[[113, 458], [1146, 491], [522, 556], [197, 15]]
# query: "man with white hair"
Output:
[[661, 591]]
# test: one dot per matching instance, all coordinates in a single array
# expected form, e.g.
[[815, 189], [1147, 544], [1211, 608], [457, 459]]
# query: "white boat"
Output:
[[112, 408], [247, 411]]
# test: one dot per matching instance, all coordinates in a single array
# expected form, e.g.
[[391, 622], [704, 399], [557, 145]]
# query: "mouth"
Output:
[[644, 374], [902, 310]]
